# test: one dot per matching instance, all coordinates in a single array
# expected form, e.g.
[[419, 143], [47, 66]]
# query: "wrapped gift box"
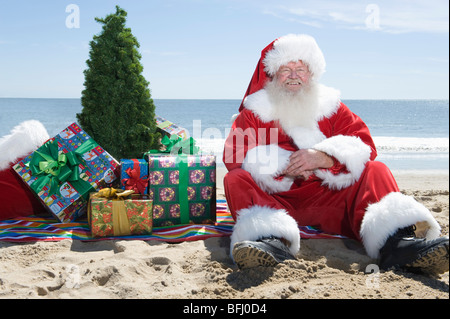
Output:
[[183, 189], [134, 175], [65, 169], [168, 128], [119, 213]]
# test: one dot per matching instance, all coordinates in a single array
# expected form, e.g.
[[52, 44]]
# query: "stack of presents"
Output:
[[72, 175]]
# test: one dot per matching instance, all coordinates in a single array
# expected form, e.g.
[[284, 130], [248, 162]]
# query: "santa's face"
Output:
[[293, 76]]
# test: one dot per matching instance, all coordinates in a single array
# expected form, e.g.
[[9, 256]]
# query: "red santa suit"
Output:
[[358, 197], [16, 199]]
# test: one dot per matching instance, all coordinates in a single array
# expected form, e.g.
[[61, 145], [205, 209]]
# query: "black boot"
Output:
[[404, 250], [264, 252]]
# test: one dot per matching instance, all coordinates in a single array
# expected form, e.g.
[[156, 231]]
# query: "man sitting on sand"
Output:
[[297, 155]]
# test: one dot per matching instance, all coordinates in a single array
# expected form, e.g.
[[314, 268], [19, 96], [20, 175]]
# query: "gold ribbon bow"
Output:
[[121, 225]]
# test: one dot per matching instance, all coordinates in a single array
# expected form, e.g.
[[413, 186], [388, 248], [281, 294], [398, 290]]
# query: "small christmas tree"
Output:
[[118, 111]]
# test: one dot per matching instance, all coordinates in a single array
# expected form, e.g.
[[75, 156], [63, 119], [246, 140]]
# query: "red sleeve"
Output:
[[348, 123], [242, 137], [345, 122]]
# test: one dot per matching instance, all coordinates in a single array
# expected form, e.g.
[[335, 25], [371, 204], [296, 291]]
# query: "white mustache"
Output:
[[293, 82]]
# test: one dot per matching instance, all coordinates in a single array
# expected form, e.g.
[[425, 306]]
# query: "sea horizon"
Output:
[[410, 134], [155, 98]]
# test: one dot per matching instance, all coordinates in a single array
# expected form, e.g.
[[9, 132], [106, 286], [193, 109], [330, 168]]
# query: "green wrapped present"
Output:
[[115, 212], [183, 188]]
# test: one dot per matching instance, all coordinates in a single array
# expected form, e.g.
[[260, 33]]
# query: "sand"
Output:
[[325, 268]]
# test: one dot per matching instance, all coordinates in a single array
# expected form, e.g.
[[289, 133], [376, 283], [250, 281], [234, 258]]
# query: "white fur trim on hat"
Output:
[[292, 48], [349, 150], [265, 163], [393, 212], [24, 138], [257, 222]]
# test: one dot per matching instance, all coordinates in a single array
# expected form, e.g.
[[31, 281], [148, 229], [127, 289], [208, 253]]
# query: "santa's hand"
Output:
[[305, 175], [303, 162]]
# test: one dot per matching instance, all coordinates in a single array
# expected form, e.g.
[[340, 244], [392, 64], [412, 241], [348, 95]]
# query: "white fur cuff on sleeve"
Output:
[[264, 163], [349, 150]]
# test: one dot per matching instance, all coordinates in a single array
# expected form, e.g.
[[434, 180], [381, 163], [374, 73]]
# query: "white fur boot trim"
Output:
[[393, 212], [257, 222], [24, 138]]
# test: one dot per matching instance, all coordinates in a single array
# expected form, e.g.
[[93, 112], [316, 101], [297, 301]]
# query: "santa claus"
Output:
[[296, 155]]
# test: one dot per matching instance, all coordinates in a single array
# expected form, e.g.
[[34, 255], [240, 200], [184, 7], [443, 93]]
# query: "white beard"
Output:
[[294, 109]]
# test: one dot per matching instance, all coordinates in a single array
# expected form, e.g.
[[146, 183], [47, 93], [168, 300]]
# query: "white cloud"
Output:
[[395, 16]]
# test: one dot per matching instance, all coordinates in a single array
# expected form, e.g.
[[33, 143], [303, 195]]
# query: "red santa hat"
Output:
[[288, 48], [16, 199]]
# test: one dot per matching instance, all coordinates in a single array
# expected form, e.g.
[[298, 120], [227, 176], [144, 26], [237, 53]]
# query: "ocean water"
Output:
[[409, 134]]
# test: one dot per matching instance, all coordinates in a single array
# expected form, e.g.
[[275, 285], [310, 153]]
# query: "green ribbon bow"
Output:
[[53, 168], [176, 145]]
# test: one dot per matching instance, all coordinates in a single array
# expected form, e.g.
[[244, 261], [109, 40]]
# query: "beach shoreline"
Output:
[[325, 268]]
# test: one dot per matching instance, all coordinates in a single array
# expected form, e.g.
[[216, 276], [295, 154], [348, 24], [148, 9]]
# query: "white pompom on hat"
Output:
[[292, 48]]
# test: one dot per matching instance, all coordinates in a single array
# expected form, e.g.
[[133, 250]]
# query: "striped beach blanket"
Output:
[[34, 228]]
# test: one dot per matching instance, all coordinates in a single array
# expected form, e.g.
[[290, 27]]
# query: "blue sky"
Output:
[[208, 49]]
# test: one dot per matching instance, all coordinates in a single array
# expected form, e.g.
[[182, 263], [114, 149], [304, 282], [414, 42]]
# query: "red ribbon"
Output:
[[135, 182]]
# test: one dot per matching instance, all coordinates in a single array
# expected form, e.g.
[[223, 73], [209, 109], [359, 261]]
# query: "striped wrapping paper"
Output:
[[33, 228]]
